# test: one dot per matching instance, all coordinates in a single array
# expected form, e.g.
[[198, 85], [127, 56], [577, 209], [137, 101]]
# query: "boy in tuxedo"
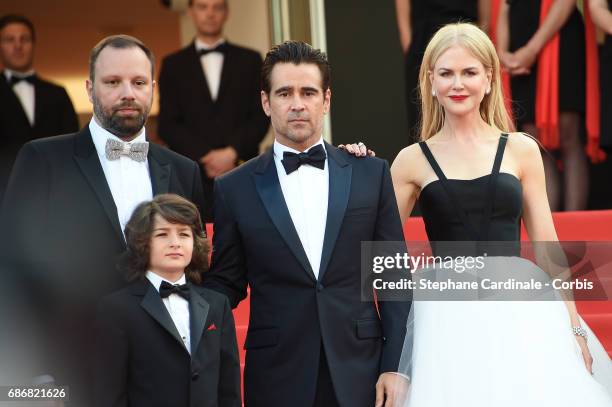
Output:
[[163, 340]]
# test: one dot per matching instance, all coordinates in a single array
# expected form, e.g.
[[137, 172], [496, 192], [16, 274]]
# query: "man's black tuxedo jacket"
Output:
[[142, 361], [63, 238], [53, 115], [192, 124], [293, 314]]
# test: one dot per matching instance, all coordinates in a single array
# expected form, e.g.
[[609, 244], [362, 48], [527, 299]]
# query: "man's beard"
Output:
[[122, 127]]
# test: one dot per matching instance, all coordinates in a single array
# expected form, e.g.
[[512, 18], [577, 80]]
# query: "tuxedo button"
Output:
[[195, 375], [319, 287]]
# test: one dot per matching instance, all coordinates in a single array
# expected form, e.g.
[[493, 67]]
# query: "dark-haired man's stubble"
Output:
[[124, 127]]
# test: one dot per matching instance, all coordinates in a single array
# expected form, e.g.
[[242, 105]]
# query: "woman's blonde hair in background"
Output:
[[492, 108]]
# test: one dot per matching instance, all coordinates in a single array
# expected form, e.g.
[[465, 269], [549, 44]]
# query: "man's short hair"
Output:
[[120, 41], [17, 19], [295, 52]]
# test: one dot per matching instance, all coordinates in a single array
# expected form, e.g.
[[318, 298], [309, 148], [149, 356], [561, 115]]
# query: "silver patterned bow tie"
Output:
[[135, 151]]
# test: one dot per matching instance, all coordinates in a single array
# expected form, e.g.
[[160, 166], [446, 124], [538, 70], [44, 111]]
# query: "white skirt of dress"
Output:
[[502, 353]]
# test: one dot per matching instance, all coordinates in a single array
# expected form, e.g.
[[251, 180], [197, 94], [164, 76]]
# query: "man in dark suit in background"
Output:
[[209, 107], [69, 198], [30, 107], [289, 224]]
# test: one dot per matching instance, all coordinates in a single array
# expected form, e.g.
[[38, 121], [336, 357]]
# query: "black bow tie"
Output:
[[16, 79], [222, 48], [165, 289], [315, 157]]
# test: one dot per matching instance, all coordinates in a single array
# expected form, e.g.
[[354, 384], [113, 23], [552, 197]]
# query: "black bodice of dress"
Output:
[[484, 209]]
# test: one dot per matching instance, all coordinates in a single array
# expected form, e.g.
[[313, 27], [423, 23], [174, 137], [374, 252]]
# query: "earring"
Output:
[[488, 91], [433, 92]]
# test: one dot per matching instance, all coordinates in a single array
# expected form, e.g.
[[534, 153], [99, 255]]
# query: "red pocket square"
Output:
[[212, 327]]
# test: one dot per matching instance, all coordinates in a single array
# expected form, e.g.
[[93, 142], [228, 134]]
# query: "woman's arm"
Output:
[[536, 211], [402, 11], [539, 223], [601, 15], [484, 14], [503, 37], [403, 183], [555, 19]]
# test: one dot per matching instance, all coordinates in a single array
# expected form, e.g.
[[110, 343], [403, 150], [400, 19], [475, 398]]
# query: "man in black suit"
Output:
[[30, 107], [289, 224], [209, 107], [69, 198]]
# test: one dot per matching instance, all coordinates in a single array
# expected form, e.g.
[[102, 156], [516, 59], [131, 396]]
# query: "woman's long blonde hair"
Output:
[[492, 108]]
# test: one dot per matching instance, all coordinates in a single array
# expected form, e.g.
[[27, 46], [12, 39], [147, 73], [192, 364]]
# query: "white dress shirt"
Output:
[[212, 65], [25, 93], [306, 193], [128, 180], [177, 306]]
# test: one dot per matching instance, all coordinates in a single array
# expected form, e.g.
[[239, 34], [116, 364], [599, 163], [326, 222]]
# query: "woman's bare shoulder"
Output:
[[525, 152], [523, 143], [408, 155], [409, 163]]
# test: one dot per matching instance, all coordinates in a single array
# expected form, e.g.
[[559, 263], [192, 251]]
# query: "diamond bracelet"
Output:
[[579, 331]]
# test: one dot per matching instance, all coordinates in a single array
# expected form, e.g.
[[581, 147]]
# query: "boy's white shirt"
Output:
[[177, 306]]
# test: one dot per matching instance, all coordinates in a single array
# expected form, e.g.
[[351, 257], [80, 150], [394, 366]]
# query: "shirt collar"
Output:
[[156, 279], [100, 135], [202, 45], [279, 148], [8, 73]]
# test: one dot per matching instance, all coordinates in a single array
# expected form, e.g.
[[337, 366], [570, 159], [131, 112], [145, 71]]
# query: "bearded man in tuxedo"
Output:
[[67, 203]]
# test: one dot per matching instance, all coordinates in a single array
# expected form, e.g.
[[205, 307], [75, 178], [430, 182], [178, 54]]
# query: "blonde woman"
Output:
[[475, 181]]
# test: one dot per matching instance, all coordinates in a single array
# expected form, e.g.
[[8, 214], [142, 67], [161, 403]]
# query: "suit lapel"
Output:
[[198, 313], [226, 72], [200, 84], [38, 101], [160, 171], [269, 189], [154, 306], [86, 157], [340, 173]]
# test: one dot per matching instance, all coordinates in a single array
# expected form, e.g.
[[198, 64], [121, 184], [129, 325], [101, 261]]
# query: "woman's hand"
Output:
[[512, 64], [357, 149], [586, 354], [507, 60], [523, 59]]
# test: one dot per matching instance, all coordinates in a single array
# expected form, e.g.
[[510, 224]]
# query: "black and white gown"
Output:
[[494, 353]]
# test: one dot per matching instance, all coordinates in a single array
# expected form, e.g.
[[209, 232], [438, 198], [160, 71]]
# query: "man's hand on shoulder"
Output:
[[219, 161]]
